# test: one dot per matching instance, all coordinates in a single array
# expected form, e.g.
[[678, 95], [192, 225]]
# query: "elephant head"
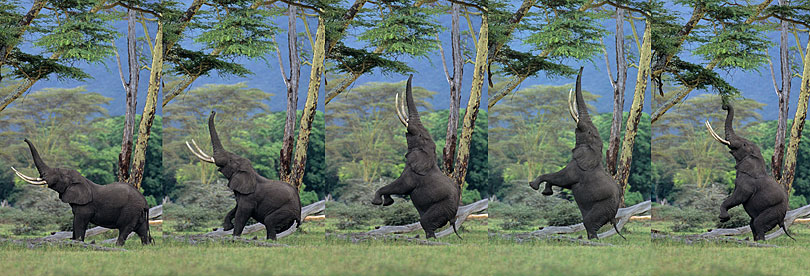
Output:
[[72, 187], [239, 171], [740, 147], [421, 156], [588, 149]]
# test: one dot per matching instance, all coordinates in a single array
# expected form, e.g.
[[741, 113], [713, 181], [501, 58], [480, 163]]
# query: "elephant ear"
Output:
[[77, 193], [420, 161], [243, 182], [750, 167], [586, 157]]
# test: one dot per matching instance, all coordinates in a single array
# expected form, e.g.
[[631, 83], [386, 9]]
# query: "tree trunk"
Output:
[[798, 124], [463, 156], [784, 100], [455, 92], [618, 94], [292, 96], [131, 91], [635, 110], [318, 56], [148, 115]]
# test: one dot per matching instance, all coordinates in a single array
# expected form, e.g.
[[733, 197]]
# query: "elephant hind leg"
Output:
[[763, 223], [275, 221], [143, 232], [593, 221], [123, 234], [434, 218]]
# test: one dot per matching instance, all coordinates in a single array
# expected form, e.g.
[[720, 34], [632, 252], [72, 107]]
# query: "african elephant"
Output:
[[435, 195], [596, 193], [273, 203], [765, 201], [116, 206]]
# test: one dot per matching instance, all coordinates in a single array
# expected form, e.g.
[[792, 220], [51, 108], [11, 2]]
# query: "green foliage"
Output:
[[350, 215], [739, 218], [239, 31], [514, 216], [401, 213], [563, 214], [706, 199], [469, 196], [689, 219]]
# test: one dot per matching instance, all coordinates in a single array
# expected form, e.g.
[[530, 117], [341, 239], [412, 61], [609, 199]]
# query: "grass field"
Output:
[[309, 253]]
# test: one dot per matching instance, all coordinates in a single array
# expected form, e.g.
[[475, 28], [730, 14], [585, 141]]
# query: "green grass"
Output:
[[309, 253]]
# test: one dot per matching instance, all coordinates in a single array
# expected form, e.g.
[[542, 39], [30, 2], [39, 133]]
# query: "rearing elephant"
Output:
[[765, 201], [434, 195], [595, 191]]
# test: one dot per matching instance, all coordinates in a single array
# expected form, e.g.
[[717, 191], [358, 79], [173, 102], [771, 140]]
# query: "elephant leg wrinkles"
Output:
[[228, 223], [766, 221], [737, 197], [562, 178], [242, 215], [398, 187], [123, 233], [434, 218]]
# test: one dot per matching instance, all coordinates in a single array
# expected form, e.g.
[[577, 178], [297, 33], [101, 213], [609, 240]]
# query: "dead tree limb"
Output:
[[197, 239], [154, 212], [692, 239], [461, 216], [361, 237], [623, 215], [305, 211], [791, 216]]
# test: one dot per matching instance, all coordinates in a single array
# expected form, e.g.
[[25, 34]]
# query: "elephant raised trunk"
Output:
[[582, 108], [41, 166], [413, 114], [215, 143], [730, 135]]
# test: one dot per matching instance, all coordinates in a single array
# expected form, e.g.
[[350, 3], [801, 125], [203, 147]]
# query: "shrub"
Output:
[[797, 201], [469, 196], [351, 215], [706, 199], [515, 217], [401, 213], [563, 214], [189, 218], [307, 197], [688, 219], [739, 218], [632, 198]]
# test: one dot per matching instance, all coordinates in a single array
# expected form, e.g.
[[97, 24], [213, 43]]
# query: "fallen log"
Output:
[[790, 218], [524, 237], [315, 218], [156, 222], [361, 237], [461, 215], [802, 220], [623, 215], [478, 216], [692, 239], [305, 211], [154, 212], [641, 218]]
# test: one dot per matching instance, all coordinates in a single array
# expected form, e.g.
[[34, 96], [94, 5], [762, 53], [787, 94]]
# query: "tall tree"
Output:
[[149, 110], [131, 96]]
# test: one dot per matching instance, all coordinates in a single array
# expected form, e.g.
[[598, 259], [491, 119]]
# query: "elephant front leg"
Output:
[[562, 178], [398, 187], [240, 219], [79, 228], [737, 197], [228, 223]]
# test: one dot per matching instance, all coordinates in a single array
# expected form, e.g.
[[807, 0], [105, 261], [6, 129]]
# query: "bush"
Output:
[[469, 196], [190, 218], [632, 198], [688, 219], [515, 217], [401, 213], [519, 192], [307, 197], [797, 201], [706, 199], [563, 214], [739, 218], [352, 215]]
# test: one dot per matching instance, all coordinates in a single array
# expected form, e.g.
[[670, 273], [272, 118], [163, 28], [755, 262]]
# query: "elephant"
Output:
[[116, 206], [765, 201], [596, 192], [434, 194], [273, 203]]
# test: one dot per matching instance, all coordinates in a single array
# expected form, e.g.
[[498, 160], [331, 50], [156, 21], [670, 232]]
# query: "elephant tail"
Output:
[[782, 224], [454, 229], [614, 222], [148, 229]]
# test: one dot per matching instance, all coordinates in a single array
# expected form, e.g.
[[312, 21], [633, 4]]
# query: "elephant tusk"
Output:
[[400, 113], [201, 151], [201, 157], [572, 109], [30, 180], [715, 136]]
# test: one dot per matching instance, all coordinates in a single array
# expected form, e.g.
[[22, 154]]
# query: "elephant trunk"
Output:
[[41, 166], [413, 114], [215, 143], [582, 108], [729, 121]]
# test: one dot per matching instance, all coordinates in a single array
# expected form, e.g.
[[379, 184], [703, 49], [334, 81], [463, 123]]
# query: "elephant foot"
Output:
[[534, 185], [377, 201], [547, 192], [227, 226], [388, 201], [724, 217]]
